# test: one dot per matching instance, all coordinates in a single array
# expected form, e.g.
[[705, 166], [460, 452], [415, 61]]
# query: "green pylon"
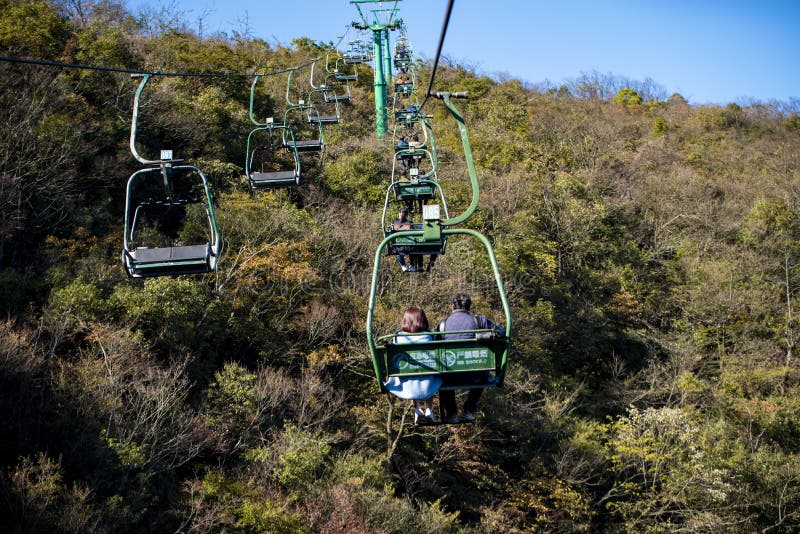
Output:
[[382, 21]]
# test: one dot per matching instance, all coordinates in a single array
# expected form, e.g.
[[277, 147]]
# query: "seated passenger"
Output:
[[419, 389], [461, 319], [403, 222]]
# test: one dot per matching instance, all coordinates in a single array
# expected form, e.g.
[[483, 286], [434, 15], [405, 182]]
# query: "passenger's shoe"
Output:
[[468, 417], [419, 416], [403, 268], [430, 417], [452, 419]]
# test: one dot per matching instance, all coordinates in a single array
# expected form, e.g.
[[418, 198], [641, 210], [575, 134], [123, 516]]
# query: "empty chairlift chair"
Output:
[[161, 194], [333, 91], [321, 111], [270, 162], [308, 136]]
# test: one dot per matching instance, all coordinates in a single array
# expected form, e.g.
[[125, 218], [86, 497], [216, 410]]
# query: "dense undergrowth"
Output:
[[651, 251]]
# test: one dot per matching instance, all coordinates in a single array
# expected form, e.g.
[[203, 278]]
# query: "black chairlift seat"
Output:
[[345, 77], [145, 262], [274, 179], [333, 97], [323, 119], [311, 145]]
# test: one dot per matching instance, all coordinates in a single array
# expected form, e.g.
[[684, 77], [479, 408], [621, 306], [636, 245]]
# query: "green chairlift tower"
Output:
[[382, 20]]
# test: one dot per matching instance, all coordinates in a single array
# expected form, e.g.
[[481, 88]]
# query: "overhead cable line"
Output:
[[438, 52], [157, 72]]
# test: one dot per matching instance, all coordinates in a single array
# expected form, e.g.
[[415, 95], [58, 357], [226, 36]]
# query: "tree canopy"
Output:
[[650, 251]]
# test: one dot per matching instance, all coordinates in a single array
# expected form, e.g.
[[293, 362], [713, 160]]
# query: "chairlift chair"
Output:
[[408, 185], [357, 52], [259, 155], [331, 95], [477, 362], [342, 76], [328, 87], [313, 113], [141, 260], [402, 54], [296, 118]]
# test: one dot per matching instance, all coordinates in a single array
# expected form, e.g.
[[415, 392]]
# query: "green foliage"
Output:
[[170, 310], [627, 98], [677, 100], [301, 459], [360, 175], [266, 517], [31, 27], [355, 470], [234, 504], [306, 44], [651, 258], [129, 454], [659, 126], [233, 404], [81, 300], [40, 500]]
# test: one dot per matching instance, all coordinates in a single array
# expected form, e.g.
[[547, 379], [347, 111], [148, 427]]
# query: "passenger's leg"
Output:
[[474, 395], [447, 399], [401, 260], [431, 261]]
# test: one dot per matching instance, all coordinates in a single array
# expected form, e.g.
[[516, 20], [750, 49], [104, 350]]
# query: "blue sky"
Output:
[[710, 51]]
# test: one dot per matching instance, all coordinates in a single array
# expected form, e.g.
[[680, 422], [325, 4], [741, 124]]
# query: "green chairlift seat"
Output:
[[340, 74], [340, 77], [402, 52], [407, 116], [296, 118], [270, 170], [312, 144], [144, 262], [331, 95], [414, 245], [404, 88], [357, 52], [458, 356], [477, 362], [409, 186]]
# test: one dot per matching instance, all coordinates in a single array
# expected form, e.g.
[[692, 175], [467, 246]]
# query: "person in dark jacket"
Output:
[[461, 319]]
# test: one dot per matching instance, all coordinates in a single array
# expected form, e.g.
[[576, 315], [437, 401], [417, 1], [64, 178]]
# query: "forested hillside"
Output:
[[650, 250]]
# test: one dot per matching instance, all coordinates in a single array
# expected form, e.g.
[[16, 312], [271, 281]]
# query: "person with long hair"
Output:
[[419, 389]]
